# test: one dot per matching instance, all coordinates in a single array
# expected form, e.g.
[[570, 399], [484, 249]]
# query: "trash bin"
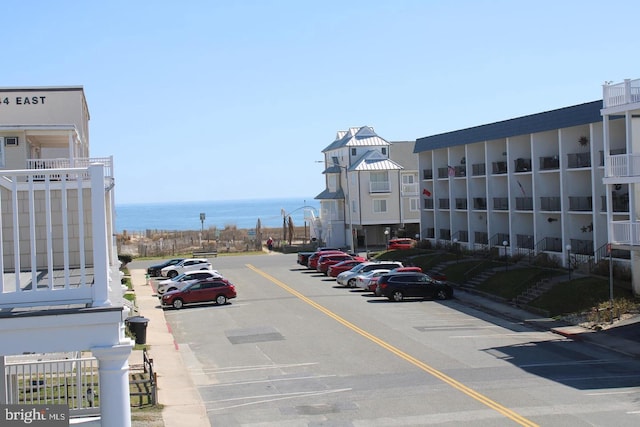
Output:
[[138, 327]]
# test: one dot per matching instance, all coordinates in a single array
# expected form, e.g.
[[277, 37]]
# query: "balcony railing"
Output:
[[427, 174], [71, 163], [578, 160], [623, 165], [461, 203], [522, 165], [480, 203], [581, 204], [443, 203], [618, 203], [430, 233], [626, 92], [444, 234], [550, 203], [498, 168], [379, 187], [409, 189], [549, 163], [524, 203], [481, 237], [625, 233], [478, 169], [501, 203], [63, 252], [428, 203]]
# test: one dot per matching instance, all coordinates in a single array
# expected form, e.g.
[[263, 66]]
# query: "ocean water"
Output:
[[186, 215]]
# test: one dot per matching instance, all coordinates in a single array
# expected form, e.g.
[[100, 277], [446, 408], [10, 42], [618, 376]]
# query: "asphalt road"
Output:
[[296, 350]]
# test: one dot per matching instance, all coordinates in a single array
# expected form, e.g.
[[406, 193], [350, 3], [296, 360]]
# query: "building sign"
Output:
[[22, 100]]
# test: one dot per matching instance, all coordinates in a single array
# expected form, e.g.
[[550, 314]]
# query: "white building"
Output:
[[558, 182], [60, 286], [371, 190]]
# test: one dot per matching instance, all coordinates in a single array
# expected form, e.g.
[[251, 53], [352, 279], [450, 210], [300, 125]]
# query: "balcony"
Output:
[[427, 174], [64, 258], [613, 152], [627, 92], [499, 168], [522, 165], [549, 163], [444, 234], [443, 203], [501, 203], [481, 237], [480, 203], [525, 241], [409, 189], [622, 165], [71, 163], [619, 203], [551, 204], [379, 187], [461, 203], [581, 246], [578, 160], [524, 203], [625, 233], [478, 169], [581, 204], [428, 203]]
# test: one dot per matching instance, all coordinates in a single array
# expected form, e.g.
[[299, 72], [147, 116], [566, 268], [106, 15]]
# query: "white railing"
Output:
[[379, 187], [410, 189], [64, 163], [73, 382], [622, 165], [625, 233], [47, 257], [626, 92]]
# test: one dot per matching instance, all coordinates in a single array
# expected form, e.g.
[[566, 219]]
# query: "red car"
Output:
[[401, 243], [312, 263], [206, 290], [325, 261], [338, 268]]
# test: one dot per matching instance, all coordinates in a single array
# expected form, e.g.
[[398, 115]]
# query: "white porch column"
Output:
[[3, 381], [113, 369], [99, 230]]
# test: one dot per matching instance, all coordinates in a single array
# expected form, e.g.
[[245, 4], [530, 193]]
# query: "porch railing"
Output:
[[64, 163], [54, 249], [621, 93]]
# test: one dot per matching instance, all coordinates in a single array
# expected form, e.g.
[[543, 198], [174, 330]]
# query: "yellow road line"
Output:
[[432, 371]]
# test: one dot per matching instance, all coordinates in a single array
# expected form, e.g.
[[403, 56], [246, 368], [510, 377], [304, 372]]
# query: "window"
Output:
[[379, 205], [414, 204], [11, 140], [354, 206], [408, 179], [379, 182], [353, 151], [384, 150]]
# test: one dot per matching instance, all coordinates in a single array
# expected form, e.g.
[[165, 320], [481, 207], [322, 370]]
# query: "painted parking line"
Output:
[[421, 365]]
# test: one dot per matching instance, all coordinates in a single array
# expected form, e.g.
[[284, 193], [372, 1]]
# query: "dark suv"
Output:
[[400, 285]]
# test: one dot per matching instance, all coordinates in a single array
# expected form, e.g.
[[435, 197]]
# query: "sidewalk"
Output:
[[608, 338], [176, 390]]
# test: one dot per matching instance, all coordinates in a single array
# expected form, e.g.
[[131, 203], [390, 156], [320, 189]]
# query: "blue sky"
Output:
[[220, 100]]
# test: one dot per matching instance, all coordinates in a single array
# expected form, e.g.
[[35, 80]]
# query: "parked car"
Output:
[[401, 243], [364, 280], [303, 257], [184, 279], [348, 278], [154, 270], [188, 264], [207, 290], [312, 263], [338, 268], [398, 286], [325, 261]]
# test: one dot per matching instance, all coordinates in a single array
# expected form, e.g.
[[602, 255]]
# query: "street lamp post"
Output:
[[506, 258], [569, 259]]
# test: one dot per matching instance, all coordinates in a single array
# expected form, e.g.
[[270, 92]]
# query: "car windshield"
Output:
[[179, 277]]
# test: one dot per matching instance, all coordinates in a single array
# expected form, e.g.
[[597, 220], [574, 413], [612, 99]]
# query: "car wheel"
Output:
[[221, 300], [442, 294], [171, 274], [396, 296], [351, 283], [178, 303]]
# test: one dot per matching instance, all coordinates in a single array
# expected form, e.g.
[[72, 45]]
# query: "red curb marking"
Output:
[[169, 328], [175, 344]]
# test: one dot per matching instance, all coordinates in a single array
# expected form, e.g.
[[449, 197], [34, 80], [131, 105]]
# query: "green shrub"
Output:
[[125, 259]]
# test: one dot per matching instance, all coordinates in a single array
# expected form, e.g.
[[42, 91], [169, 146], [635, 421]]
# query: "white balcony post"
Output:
[[99, 231], [627, 91], [113, 369]]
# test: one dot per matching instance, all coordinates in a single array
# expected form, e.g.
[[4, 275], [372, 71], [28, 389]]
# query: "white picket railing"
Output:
[[626, 92], [56, 253]]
